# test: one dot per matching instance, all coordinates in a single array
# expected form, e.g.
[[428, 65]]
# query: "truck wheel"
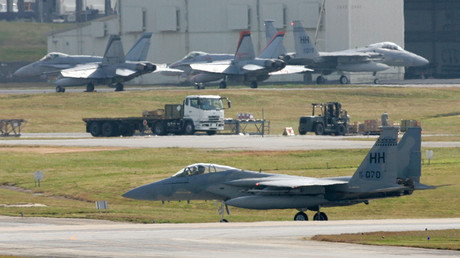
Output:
[[108, 129], [211, 132], [302, 132], [189, 129], [95, 129], [319, 129], [341, 130], [159, 128]]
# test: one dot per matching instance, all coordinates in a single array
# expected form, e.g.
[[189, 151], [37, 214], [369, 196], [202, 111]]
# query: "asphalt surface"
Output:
[[215, 142], [45, 237]]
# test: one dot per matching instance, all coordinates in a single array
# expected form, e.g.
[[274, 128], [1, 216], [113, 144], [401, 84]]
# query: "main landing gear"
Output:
[[60, 89], [221, 209], [302, 216]]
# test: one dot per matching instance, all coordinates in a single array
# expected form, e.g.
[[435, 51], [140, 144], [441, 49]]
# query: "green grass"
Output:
[[433, 239], [436, 108], [25, 41], [75, 180]]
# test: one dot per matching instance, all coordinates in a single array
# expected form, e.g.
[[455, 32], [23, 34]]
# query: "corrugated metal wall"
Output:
[[432, 29]]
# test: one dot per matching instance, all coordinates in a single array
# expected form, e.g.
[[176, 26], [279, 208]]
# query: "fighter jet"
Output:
[[200, 67], [113, 70], [373, 58], [390, 169], [50, 65]]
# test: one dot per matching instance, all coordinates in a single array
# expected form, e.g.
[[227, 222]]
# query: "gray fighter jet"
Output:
[[113, 70], [389, 170], [243, 66], [50, 65], [372, 58]]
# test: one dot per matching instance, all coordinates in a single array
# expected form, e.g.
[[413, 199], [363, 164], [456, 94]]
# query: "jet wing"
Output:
[[252, 67], [124, 72], [290, 69], [286, 182], [164, 70], [83, 72], [216, 67]]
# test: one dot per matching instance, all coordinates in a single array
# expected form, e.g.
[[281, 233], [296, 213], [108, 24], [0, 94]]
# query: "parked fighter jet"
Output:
[[200, 67], [373, 58], [389, 170], [245, 66], [113, 70], [54, 62]]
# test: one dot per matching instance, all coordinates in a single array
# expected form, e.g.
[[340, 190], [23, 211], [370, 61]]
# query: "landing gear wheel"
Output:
[[159, 128], [344, 80], [320, 216], [95, 129], [254, 85], [301, 216], [376, 81], [60, 89], [320, 80], [222, 85], [341, 130], [199, 86], [119, 87], [319, 129], [90, 87], [189, 129]]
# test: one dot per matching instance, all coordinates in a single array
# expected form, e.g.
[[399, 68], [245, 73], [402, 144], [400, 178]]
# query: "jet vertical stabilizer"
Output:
[[140, 49], [410, 158], [378, 171], [114, 53], [245, 49], [270, 32], [303, 46], [272, 50]]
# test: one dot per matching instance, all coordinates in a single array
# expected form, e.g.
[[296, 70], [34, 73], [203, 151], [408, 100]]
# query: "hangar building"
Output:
[[181, 26]]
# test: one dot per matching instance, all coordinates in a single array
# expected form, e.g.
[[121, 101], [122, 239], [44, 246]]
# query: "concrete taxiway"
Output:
[[47, 237], [215, 142]]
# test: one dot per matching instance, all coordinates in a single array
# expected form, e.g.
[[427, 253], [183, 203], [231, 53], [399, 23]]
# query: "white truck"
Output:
[[196, 113]]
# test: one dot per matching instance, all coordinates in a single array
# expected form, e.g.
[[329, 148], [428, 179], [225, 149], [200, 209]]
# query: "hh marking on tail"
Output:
[[377, 158]]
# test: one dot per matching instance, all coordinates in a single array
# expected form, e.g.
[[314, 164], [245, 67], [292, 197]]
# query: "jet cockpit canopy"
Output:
[[194, 54], [387, 45], [202, 168], [53, 55]]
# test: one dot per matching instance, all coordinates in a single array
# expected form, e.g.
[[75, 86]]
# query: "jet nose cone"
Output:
[[139, 193], [29, 70], [421, 61], [145, 192], [21, 72]]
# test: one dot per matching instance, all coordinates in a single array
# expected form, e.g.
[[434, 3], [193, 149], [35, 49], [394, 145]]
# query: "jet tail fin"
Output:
[[140, 49], [270, 32], [114, 53], [303, 46], [245, 49], [409, 155], [272, 50], [379, 168]]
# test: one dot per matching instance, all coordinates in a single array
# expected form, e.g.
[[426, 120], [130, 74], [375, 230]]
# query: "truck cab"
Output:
[[204, 113]]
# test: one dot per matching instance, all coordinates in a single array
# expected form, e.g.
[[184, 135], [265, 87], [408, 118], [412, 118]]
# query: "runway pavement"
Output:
[[215, 142], [45, 237]]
